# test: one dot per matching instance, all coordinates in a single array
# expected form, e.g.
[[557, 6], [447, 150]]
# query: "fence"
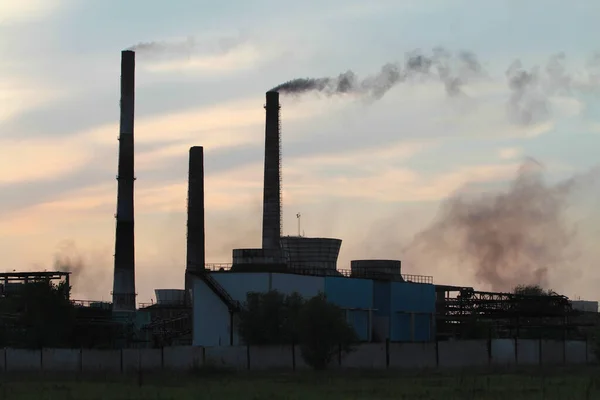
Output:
[[470, 353]]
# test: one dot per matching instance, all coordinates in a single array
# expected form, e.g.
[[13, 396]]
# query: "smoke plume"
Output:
[[530, 90], [187, 47], [452, 71], [89, 269], [68, 259], [509, 238]]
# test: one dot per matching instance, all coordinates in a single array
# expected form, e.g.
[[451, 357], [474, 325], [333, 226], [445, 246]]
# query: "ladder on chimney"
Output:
[[280, 178], [232, 305]]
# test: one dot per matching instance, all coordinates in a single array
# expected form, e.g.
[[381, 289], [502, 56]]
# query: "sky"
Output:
[[371, 172]]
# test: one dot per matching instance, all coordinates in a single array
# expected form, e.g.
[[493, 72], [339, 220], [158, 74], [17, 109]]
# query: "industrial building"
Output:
[[381, 303]]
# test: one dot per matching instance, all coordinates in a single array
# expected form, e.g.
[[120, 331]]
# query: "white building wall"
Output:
[[585, 305], [211, 320], [238, 284]]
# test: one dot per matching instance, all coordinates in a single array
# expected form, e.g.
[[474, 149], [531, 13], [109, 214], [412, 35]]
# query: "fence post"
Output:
[[437, 353], [587, 360], [293, 356], [340, 355], [516, 351], [540, 350], [121, 360], [248, 356], [162, 357], [42, 359], [387, 353], [80, 359]]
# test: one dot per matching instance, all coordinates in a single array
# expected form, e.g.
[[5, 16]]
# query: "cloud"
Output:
[[508, 153], [32, 160], [17, 96], [240, 58], [12, 12]]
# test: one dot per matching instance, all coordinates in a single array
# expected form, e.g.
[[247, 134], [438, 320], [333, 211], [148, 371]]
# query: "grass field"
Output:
[[560, 383]]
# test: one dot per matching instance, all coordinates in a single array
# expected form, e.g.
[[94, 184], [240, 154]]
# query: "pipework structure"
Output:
[[271, 225], [123, 293]]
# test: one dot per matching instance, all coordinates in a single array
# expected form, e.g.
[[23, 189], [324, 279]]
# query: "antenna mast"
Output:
[[298, 217]]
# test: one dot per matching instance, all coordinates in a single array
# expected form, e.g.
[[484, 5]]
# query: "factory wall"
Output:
[[212, 322], [238, 284], [401, 312], [306, 286], [355, 296], [411, 310], [211, 319]]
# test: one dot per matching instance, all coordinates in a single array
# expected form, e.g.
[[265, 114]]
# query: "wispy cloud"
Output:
[[508, 153], [12, 12], [237, 59], [32, 160]]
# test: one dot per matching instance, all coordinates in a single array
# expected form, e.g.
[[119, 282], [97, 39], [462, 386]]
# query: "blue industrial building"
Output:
[[377, 308]]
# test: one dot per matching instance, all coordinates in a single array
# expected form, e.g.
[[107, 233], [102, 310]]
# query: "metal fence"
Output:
[[339, 272]]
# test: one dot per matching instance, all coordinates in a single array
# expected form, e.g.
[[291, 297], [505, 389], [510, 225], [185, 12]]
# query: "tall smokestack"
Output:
[[271, 229], [195, 214], [124, 275]]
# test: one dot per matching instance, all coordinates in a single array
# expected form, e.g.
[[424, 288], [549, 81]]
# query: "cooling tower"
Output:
[[319, 254], [271, 227], [124, 274], [195, 215]]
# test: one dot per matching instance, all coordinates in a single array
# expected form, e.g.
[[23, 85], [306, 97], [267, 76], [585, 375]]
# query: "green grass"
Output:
[[559, 383]]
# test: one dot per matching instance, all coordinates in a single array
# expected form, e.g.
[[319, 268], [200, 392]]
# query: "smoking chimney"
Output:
[[271, 229], [195, 214], [124, 275]]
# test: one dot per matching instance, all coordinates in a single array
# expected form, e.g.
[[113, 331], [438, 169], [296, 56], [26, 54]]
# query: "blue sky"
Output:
[[372, 174]]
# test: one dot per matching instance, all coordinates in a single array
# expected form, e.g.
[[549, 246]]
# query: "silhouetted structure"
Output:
[[124, 274]]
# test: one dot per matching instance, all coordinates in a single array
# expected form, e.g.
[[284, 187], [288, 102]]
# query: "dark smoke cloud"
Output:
[[530, 89], [509, 238], [453, 70], [68, 259], [90, 269]]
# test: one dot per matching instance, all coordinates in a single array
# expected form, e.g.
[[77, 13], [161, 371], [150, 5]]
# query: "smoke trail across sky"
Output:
[[530, 89], [188, 46], [453, 71]]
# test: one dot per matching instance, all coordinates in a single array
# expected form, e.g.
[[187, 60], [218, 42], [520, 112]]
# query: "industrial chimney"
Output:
[[271, 228], [124, 275], [195, 215]]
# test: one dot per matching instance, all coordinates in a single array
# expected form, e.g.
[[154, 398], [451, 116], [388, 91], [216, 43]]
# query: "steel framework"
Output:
[[471, 313]]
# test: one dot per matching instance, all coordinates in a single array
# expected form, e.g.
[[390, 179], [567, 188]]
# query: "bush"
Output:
[[323, 331], [319, 327]]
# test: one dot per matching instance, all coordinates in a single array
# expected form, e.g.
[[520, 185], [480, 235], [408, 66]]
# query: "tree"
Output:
[[323, 331], [533, 290], [319, 327], [41, 315], [269, 318]]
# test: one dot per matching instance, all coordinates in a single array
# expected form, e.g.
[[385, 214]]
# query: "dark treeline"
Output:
[[40, 315]]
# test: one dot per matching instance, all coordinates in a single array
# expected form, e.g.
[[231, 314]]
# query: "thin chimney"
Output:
[[124, 274], [271, 228], [195, 214]]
